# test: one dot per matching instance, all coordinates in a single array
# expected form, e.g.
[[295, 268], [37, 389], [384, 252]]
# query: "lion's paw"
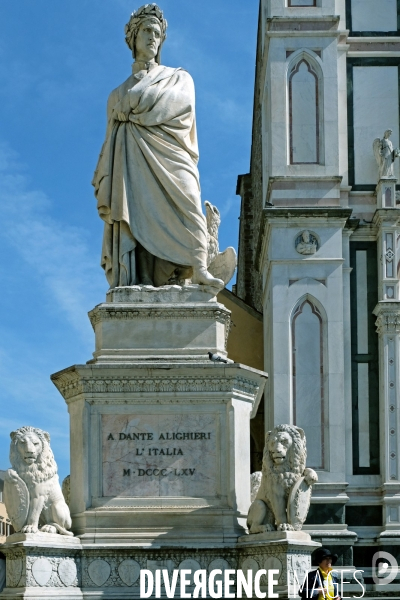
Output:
[[48, 529], [285, 527], [29, 529]]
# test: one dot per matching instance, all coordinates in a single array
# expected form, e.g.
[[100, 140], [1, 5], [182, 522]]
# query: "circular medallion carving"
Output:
[[219, 563], [99, 571], [14, 572], [42, 570], [249, 564], [190, 565], [129, 571], [67, 571], [273, 563]]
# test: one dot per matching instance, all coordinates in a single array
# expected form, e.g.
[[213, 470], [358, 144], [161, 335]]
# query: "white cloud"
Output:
[[57, 253]]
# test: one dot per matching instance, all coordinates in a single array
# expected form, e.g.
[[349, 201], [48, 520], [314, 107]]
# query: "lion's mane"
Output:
[[287, 473], [43, 468]]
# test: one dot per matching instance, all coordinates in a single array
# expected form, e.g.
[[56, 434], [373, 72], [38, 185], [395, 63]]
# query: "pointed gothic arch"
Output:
[[305, 108], [309, 398]]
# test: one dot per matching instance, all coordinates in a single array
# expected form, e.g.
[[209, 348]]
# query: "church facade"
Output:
[[319, 255]]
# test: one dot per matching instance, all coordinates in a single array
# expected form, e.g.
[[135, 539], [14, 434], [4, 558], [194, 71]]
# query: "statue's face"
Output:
[[148, 40], [306, 237], [388, 133], [279, 445], [29, 447]]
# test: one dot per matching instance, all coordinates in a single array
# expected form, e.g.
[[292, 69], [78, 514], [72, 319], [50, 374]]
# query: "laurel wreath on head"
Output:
[[144, 12]]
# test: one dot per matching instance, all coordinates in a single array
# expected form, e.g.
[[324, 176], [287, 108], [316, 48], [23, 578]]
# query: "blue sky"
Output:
[[58, 62]]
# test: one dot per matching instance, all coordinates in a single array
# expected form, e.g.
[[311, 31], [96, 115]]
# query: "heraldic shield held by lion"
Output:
[[284, 494], [32, 491]]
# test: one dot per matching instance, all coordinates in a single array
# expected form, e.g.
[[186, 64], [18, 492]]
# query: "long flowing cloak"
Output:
[[147, 181]]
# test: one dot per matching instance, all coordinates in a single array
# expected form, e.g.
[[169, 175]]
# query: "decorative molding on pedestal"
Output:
[[72, 383], [42, 565], [105, 312], [35, 570]]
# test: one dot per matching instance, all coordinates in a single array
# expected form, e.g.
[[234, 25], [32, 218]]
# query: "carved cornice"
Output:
[[388, 318], [388, 323], [107, 313], [70, 387]]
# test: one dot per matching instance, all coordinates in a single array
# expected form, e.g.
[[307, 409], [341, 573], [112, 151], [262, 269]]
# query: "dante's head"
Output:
[[146, 32]]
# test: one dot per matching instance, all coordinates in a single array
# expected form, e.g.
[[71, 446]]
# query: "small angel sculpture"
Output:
[[385, 154]]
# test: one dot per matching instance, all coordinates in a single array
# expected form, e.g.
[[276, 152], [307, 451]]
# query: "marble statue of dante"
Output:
[[385, 154], [146, 181]]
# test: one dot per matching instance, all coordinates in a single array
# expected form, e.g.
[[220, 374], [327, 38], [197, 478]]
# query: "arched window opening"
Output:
[[308, 378], [304, 114]]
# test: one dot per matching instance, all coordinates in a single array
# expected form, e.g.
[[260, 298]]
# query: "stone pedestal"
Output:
[[160, 451], [42, 566], [160, 435], [386, 192], [288, 552]]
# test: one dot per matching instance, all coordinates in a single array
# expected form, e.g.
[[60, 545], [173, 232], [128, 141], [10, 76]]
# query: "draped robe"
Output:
[[146, 181]]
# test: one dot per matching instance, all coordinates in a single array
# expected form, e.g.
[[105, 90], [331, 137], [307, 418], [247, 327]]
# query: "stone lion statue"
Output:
[[32, 492], [284, 493]]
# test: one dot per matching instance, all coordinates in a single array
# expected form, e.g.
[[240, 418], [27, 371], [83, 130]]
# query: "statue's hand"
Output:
[[122, 109]]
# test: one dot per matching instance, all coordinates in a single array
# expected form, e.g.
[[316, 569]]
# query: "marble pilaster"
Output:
[[388, 327]]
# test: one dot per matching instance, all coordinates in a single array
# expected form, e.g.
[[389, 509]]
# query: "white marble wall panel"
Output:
[[321, 279], [304, 116], [374, 15], [363, 415], [278, 70], [307, 380], [376, 108], [159, 455]]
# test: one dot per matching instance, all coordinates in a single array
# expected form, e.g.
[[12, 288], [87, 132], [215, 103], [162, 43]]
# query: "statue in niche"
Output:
[[306, 243], [385, 154], [282, 490], [32, 492], [146, 181]]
